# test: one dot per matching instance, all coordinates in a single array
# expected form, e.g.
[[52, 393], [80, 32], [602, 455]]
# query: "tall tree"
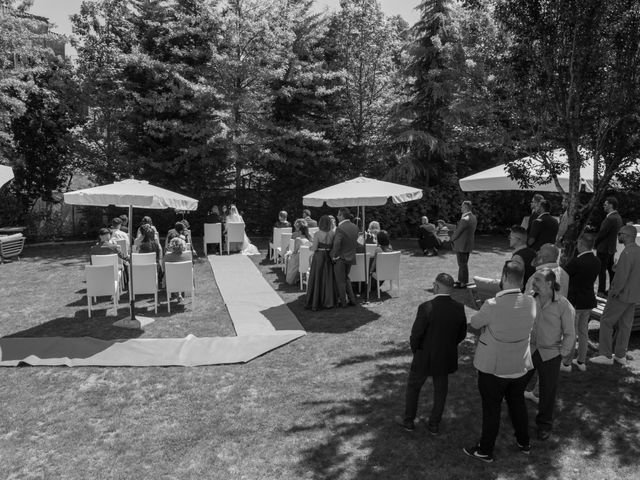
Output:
[[573, 82]]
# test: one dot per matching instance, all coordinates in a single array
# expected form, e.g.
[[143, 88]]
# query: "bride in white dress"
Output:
[[247, 247]]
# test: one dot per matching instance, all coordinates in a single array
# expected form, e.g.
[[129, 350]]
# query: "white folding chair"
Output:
[[235, 233], [387, 268], [358, 272], [101, 280], [212, 234], [275, 244], [282, 248], [179, 278], [143, 258], [112, 260], [145, 280], [304, 262], [11, 246]]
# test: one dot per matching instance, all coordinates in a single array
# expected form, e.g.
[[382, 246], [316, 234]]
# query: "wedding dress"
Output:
[[247, 247]]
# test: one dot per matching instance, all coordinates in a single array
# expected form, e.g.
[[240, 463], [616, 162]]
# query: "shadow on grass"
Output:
[[332, 320], [596, 418]]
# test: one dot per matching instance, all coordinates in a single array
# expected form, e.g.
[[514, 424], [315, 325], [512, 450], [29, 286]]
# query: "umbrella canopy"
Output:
[[134, 193], [6, 174], [497, 178], [361, 192]]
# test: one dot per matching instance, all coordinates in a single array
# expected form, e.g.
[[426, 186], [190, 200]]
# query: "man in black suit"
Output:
[[439, 327], [522, 253], [535, 205], [606, 242], [343, 254], [544, 228], [583, 271]]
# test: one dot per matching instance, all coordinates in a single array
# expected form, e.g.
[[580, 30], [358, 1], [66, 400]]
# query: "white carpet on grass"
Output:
[[261, 319]]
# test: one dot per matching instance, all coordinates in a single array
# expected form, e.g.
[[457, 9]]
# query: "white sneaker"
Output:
[[529, 395], [602, 360], [565, 368], [620, 360], [581, 366]]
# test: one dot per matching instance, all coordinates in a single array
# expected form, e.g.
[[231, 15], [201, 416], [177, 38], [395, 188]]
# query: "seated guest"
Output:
[[213, 215], [117, 233], [125, 223], [296, 228], [176, 231], [282, 220], [105, 246], [371, 235], [177, 247], [144, 221], [149, 244], [293, 258], [384, 245], [427, 238], [306, 214]]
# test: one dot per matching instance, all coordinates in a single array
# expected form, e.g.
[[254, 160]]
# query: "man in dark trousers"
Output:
[[605, 243], [343, 254], [583, 271], [463, 241], [544, 228], [439, 327]]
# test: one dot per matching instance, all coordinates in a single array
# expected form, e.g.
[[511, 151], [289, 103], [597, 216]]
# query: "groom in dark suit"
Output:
[[343, 254], [440, 326]]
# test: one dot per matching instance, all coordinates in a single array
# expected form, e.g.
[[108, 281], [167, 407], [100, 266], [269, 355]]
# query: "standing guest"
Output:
[[321, 287], [544, 228], [427, 239], [535, 205], [439, 327], [371, 235], [117, 233], [547, 257], [282, 220], [503, 358], [463, 242], [522, 253], [552, 339], [149, 244], [563, 222], [125, 223], [605, 243], [583, 271], [624, 293], [306, 214], [292, 259], [343, 254]]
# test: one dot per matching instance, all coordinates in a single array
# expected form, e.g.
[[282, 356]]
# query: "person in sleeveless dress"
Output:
[[321, 287]]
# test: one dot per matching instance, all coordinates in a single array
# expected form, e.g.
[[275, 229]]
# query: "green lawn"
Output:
[[318, 408]]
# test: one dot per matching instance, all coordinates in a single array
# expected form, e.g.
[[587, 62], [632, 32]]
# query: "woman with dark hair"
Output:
[[149, 244], [139, 236], [552, 339], [293, 258], [384, 245], [321, 287]]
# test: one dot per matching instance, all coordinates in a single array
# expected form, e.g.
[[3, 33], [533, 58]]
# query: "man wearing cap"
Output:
[[439, 327], [623, 295], [547, 257]]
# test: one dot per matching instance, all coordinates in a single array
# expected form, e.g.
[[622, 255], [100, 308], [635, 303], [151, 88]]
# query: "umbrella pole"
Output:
[[132, 322], [366, 260]]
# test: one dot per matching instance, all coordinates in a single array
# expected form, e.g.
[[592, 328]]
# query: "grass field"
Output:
[[321, 407]]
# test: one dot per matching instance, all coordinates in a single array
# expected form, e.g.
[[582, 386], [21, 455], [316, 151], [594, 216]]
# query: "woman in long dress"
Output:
[[247, 248], [293, 260], [321, 288]]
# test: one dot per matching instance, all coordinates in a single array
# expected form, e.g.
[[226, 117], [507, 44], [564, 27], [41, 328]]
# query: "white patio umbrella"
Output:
[[362, 192], [131, 193], [6, 174], [497, 178]]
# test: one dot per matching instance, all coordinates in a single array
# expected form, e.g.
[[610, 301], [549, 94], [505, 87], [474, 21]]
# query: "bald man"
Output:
[[624, 293]]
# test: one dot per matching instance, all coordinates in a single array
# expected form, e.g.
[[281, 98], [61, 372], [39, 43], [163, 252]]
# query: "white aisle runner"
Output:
[[261, 319]]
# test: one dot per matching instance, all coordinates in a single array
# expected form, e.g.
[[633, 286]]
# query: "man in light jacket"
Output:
[[503, 358]]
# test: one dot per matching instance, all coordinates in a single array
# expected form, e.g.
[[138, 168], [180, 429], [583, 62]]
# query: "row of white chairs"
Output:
[[104, 277], [213, 235]]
